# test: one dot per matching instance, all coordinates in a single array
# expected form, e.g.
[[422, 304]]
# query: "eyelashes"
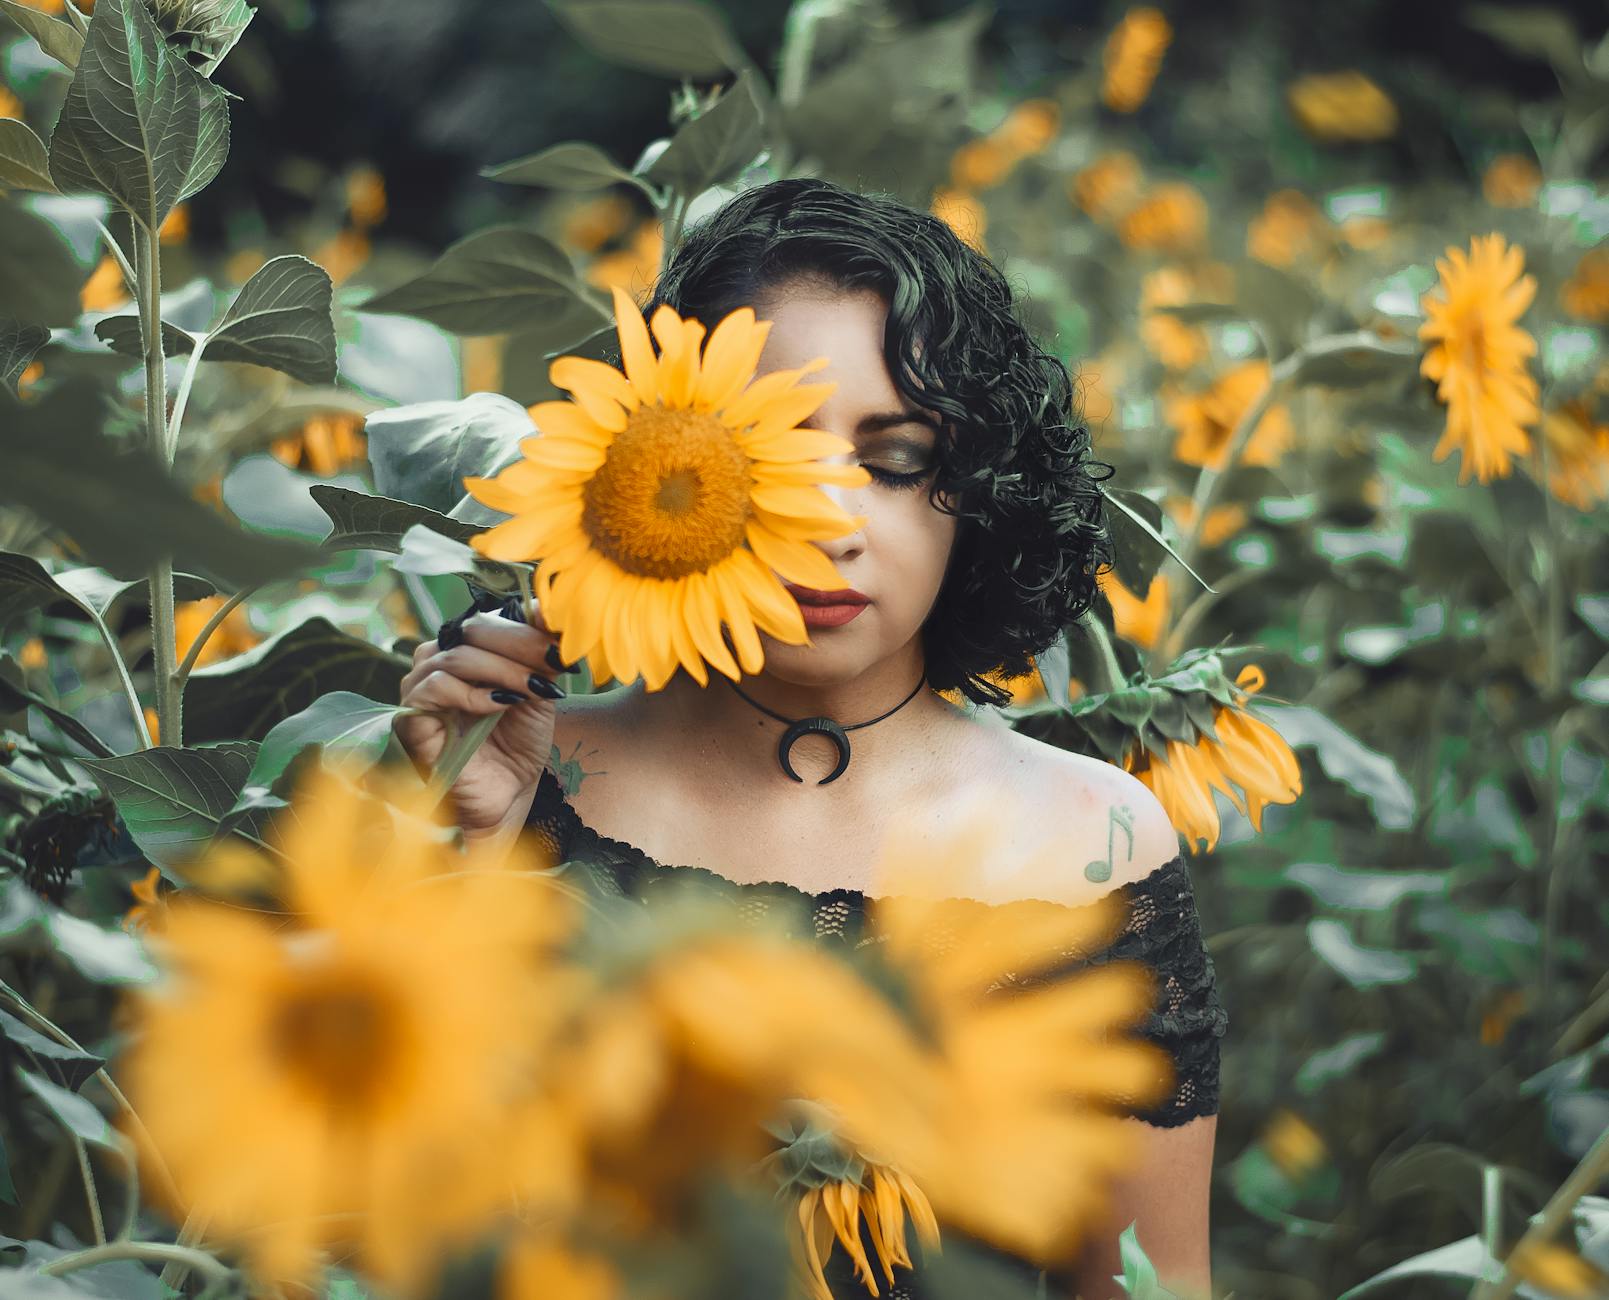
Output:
[[899, 482]]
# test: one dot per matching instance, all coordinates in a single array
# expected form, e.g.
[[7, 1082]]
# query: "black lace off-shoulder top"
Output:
[[1162, 929]]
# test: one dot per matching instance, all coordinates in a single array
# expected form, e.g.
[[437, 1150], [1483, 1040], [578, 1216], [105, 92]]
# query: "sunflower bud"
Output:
[[206, 30]]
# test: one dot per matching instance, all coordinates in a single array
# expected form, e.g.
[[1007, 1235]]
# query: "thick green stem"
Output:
[[96, 1222], [148, 271], [1095, 630], [455, 757]]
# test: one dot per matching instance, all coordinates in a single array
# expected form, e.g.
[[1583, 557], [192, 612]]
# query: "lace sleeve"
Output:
[[1163, 930]]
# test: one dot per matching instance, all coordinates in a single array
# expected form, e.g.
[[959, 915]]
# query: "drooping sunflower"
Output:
[[1477, 355], [340, 1078], [1137, 618], [1248, 753], [658, 501]]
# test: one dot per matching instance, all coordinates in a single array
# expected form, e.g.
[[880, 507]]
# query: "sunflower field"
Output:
[[285, 293]]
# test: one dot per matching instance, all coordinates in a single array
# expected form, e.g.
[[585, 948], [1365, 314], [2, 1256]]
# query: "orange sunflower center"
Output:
[[338, 1033], [672, 498]]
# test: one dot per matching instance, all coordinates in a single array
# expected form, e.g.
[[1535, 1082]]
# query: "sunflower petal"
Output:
[[678, 355], [704, 624], [801, 562], [636, 348], [730, 358], [599, 390], [735, 610]]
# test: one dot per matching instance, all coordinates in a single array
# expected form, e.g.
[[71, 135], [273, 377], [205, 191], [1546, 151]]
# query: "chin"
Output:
[[828, 662]]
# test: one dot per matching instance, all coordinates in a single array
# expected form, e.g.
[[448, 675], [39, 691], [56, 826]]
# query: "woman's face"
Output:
[[897, 558]]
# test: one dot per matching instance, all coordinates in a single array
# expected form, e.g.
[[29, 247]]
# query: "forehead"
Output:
[[845, 326]]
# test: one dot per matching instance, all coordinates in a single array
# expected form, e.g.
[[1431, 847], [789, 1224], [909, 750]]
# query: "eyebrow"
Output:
[[893, 419]]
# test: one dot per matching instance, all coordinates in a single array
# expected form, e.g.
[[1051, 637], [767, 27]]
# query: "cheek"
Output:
[[921, 547]]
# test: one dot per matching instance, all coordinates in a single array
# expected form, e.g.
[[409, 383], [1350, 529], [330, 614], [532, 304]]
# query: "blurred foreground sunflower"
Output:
[[338, 1079], [658, 501], [1477, 355]]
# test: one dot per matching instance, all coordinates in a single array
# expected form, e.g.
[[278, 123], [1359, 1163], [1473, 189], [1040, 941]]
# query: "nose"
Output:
[[855, 502]]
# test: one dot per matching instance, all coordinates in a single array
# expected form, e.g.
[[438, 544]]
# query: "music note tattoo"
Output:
[[1099, 869]]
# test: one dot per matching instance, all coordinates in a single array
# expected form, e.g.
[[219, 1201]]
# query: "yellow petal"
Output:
[[636, 348], [801, 562], [774, 609], [599, 390], [784, 411], [678, 355], [735, 610], [805, 504], [681, 635], [730, 358], [704, 624], [751, 404], [793, 444], [809, 473], [568, 420], [566, 454]]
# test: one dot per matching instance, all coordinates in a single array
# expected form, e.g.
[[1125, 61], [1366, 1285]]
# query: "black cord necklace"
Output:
[[819, 726]]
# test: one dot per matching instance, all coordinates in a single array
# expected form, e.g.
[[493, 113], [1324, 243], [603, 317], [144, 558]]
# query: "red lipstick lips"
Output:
[[828, 608], [842, 596]]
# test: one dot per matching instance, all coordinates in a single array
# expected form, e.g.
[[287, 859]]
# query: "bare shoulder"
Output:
[[1110, 829]]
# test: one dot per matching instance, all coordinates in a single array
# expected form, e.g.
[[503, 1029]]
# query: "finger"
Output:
[[442, 690], [518, 641], [482, 668]]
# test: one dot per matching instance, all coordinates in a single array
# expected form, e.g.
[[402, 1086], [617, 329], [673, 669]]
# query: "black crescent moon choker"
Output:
[[819, 726]]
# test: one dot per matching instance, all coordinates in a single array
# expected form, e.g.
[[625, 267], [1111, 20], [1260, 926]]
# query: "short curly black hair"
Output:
[[1033, 530]]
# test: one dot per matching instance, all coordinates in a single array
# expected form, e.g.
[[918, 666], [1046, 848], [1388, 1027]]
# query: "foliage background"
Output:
[[1412, 953]]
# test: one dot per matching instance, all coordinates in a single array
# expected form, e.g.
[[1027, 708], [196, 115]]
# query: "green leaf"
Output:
[[100, 955], [1361, 967], [24, 164], [280, 319], [1136, 527], [139, 124], [430, 555], [716, 146], [15, 697], [573, 165], [76, 1114], [93, 589], [1346, 759], [1138, 1278], [422, 453], [1358, 366], [61, 40], [675, 38], [40, 278], [502, 280], [24, 587], [18, 343], [122, 334], [247, 695], [1332, 1063], [120, 506], [1466, 1259], [75, 1064], [1538, 30], [348, 726], [171, 800], [1370, 891], [365, 522], [220, 24]]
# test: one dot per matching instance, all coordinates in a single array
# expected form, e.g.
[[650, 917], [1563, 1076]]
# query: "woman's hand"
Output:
[[502, 667]]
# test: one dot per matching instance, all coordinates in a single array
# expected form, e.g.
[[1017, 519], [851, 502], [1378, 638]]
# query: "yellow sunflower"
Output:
[[1034, 1068], [1108, 186], [1206, 421], [231, 637], [1172, 218], [1511, 180], [1585, 295], [1132, 56], [657, 502], [1248, 753], [1137, 619], [341, 1078], [1290, 229], [324, 445], [1477, 355], [832, 1213], [1342, 106], [1578, 455]]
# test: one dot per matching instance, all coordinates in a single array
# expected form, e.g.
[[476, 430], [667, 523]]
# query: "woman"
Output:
[[982, 532]]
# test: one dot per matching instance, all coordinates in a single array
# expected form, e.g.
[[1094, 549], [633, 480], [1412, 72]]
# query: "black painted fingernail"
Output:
[[555, 660], [546, 689], [507, 697]]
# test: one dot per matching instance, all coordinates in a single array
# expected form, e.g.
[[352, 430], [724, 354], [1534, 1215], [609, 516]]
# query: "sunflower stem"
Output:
[[673, 229], [149, 1250], [455, 757], [148, 275], [96, 1223], [1594, 1167], [1210, 480], [1095, 630]]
